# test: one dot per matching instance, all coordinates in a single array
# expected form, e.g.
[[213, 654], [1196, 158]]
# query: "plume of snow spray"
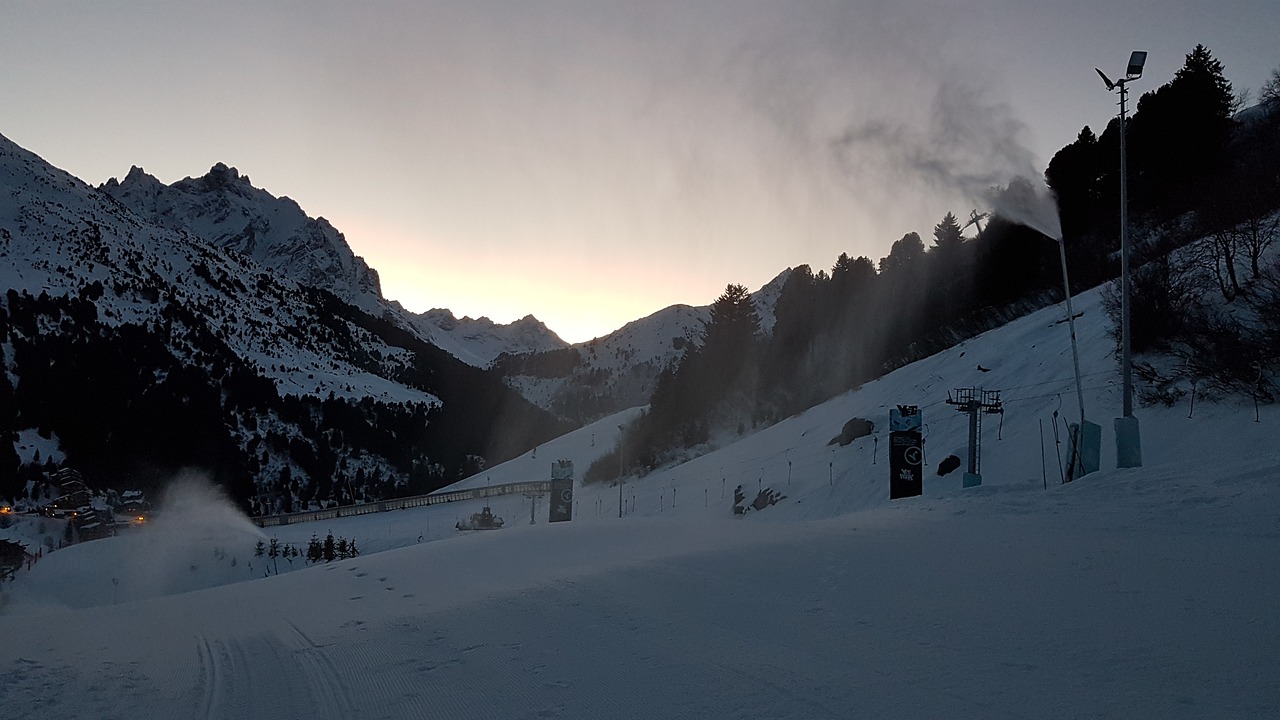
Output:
[[1022, 202], [193, 520], [970, 147], [196, 539]]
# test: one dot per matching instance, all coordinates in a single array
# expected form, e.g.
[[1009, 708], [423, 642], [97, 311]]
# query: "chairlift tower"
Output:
[[975, 219], [533, 506], [977, 402]]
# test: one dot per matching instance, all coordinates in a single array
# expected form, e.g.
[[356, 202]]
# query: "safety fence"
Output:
[[535, 486]]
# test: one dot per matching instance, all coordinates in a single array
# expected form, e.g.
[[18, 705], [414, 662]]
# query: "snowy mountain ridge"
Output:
[[478, 341], [61, 236], [283, 389], [224, 208]]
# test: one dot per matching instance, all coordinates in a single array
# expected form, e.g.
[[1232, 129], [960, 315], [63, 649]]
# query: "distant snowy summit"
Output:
[[478, 341], [224, 208]]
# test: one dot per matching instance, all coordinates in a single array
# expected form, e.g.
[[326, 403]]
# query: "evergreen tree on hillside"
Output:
[[1088, 201], [903, 255], [946, 234], [693, 396], [732, 330], [800, 319], [1179, 134], [950, 272]]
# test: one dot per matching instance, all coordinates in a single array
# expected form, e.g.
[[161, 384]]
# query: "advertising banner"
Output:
[[906, 452], [561, 491], [561, 500]]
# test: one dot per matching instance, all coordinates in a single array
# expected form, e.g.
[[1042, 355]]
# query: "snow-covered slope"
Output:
[[1139, 593]]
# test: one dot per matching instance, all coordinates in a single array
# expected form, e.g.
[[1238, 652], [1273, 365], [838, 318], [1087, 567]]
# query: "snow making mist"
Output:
[[195, 539], [195, 535], [195, 508], [1022, 202], [970, 148]]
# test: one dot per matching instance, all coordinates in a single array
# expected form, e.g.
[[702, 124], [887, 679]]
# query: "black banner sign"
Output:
[[906, 453], [561, 500]]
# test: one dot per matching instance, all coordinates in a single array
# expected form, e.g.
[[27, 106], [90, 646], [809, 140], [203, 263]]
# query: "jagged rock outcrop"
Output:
[[224, 208]]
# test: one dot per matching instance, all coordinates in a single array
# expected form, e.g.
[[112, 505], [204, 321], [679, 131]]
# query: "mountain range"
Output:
[[212, 323], [226, 210]]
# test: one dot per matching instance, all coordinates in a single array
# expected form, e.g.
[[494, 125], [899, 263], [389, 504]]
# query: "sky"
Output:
[[593, 162]]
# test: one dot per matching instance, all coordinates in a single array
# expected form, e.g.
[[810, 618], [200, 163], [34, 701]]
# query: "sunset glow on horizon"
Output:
[[591, 163]]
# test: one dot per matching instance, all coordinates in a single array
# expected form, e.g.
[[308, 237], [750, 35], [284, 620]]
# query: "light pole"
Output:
[[1128, 438]]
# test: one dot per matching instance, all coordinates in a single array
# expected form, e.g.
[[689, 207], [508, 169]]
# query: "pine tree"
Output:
[[734, 323], [1076, 175], [903, 255], [315, 551], [1179, 134], [946, 234], [728, 344], [273, 552]]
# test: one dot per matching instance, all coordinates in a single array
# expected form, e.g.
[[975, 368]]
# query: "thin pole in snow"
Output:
[[1057, 447], [1257, 414], [1044, 472]]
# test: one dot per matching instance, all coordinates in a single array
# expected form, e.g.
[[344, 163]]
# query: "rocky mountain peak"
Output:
[[224, 208]]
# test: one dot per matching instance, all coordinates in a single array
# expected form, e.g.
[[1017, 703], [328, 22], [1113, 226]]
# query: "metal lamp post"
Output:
[[1128, 438]]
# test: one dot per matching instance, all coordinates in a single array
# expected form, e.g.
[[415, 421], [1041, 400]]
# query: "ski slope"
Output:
[[1138, 593]]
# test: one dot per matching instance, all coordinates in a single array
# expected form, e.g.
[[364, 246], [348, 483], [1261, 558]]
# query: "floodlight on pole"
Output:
[[1128, 442]]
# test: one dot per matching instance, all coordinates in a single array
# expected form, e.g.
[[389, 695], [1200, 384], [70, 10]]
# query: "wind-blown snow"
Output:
[[1140, 593]]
